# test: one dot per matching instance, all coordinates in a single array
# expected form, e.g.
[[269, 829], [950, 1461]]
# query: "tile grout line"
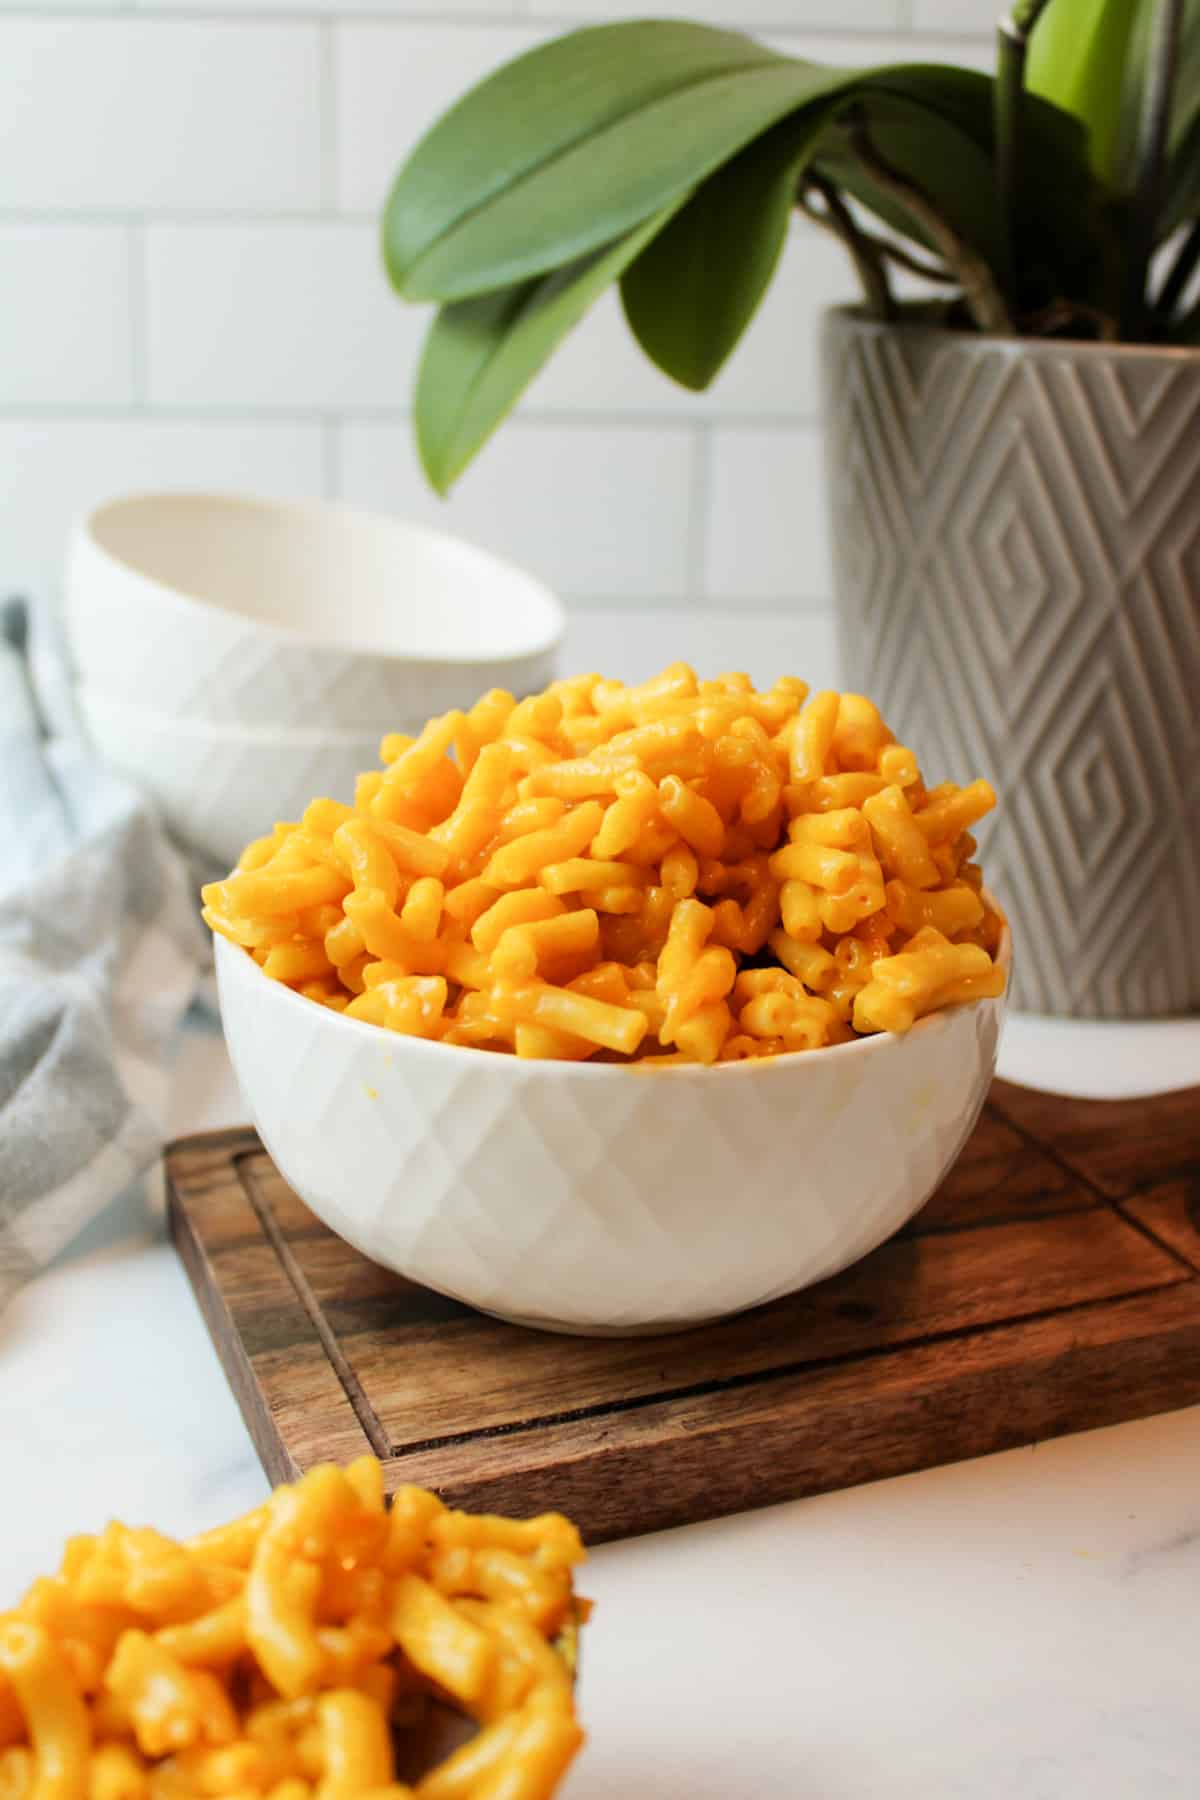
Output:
[[697, 541], [290, 13], [706, 608], [331, 458], [139, 306], [200, 218], [579, 419]]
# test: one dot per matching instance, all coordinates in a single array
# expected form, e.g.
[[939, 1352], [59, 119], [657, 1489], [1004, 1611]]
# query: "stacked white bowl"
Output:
[[238, 656]]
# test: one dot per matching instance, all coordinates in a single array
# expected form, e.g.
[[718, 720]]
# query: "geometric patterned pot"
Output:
[[1016, 540]]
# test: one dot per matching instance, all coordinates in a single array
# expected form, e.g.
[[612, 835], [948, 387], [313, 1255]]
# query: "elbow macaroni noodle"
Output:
[[681, 871], [281, 1657]]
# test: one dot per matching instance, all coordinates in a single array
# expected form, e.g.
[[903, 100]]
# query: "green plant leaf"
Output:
[[590, 194], [574, 144], [523, 136], [480, 354], [935, 126], [1078, 59], [691, 293], [1182, 201], [667, 155], [1182, 198], [937, 155]]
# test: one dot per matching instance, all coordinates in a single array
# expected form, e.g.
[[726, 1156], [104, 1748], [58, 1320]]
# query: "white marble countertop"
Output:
[[1018, 1628]]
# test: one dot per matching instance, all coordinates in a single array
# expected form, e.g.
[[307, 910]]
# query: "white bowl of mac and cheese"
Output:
[[604, 1198], [619, 1008]]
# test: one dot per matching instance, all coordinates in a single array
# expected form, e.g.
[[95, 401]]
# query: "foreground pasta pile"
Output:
[[686, 870], [289, 1655]]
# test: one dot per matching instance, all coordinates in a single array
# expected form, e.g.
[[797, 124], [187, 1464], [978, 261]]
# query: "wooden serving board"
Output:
[[1052, 1284]]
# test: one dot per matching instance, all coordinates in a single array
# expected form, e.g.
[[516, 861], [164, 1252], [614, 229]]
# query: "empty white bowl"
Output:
[[218, 786], [239, 610], [603, 1198]]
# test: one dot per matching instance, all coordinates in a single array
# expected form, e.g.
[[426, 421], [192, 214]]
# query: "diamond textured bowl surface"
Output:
[[603, 1199], [218, 786], [236, 610]]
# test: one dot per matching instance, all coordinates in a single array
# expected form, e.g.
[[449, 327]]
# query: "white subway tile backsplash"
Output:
[[127, 114], [56, 6], [766, 537], [601, 510], [65, 337], [857, 52], [765, 645], [414, 11], [276, 316], [969, 52], [54, 469], [976, 16], [599, 369], [191, 293], [880, 15], [392, 81]]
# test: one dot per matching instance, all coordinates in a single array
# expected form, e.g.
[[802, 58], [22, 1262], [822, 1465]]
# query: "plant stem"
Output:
[[1153, 128], [1066, 312], [984, 299], [883, 247], [864, 251], [1182, 270], [904, 259], [1012, 49]]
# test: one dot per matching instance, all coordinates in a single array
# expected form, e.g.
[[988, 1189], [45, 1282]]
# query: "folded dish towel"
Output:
[[101, 953]]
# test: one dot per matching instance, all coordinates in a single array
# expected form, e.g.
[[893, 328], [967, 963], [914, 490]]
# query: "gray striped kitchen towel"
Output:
[[101, 952]]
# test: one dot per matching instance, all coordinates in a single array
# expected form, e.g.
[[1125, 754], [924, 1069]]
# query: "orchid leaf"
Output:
[[667, 156], [564, 149], [1078, 58], [691, 293], [1182, 197], [481, 354]]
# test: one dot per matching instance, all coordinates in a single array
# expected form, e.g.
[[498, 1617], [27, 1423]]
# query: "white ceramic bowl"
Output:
[[218, 786], [238, 610], [601, 1198]]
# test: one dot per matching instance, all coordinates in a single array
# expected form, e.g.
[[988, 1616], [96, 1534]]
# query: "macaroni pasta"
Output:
[[284, 1656], [597, 871]]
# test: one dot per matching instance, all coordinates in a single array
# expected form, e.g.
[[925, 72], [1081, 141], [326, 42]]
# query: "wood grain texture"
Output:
[[1116, 1146], [268, 1342], [731, 1449], [1171, 1213], [1023, 1302]]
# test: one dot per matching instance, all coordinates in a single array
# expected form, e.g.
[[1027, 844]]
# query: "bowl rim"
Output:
[[539, 643], [227, 953]]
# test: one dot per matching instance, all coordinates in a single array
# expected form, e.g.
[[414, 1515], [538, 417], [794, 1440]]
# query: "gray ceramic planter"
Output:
[[1016, 531]]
